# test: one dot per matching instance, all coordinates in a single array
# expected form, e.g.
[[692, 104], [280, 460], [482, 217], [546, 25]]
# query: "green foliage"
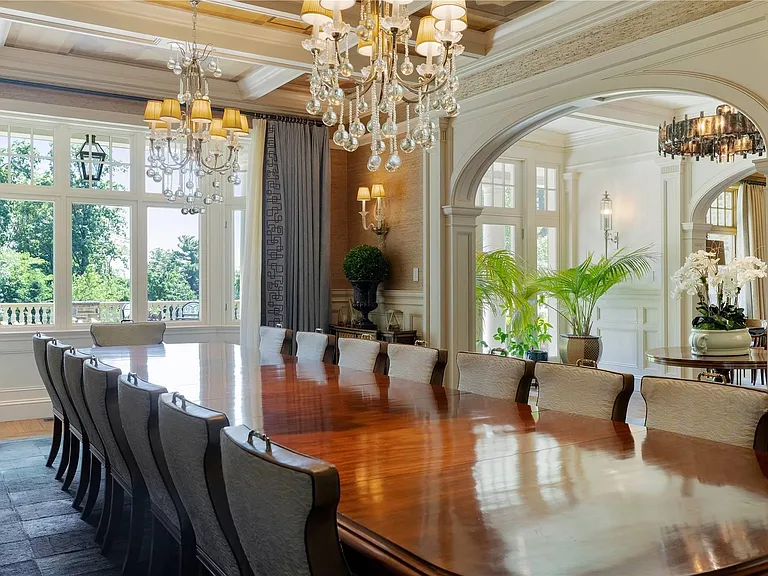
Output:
[[532, 337], [27, 227], [95, 286], [724, 316], [365, 263], [578, 289], [174, 274], [23, 278], [99, 238]]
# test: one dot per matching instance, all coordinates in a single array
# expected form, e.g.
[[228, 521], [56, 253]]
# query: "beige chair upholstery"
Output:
[[584, 391], [424, 365], [128, 334], [315, 347], [719, 412], [495, 376], [363, 355], [275, 340]]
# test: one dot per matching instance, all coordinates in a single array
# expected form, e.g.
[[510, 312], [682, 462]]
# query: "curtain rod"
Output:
[[291, 119], [754, 182]]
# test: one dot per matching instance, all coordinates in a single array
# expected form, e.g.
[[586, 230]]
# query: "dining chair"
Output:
[[60, 421], [55, 354], [283, 505], [138, 403], [275, 340], [718, 412], [94, 456], [123, 476], [363, 355], [495, 376], [585, 391], [416, 363], [191, 440], [128, 334], [315, 347]]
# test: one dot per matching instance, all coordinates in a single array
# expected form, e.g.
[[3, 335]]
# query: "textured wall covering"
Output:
[[656, 18], [338, 218]]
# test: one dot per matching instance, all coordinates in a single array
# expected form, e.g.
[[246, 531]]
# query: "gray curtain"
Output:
[[751, 241], [296, 286]]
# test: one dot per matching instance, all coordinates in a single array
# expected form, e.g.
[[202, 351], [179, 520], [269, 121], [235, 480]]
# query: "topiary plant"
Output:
[[365, 264]]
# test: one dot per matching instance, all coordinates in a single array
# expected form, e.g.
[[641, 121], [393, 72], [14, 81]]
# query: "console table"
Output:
[[390, 336]]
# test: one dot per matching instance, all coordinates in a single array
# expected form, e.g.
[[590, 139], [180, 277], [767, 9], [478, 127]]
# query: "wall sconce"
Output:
[[606, 222], [364, 195]]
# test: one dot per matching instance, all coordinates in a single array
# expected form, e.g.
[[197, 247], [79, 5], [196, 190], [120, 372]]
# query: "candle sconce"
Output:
[[606, 223], [365, 195]]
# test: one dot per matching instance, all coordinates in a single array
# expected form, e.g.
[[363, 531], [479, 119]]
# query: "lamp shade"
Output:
[[170, 111], [452, 25], [426, 43], [244, 127], [363, 193], [337, 4], [377, 191], [314, 14], [216, 131], [231, 119], [152, 111], [448, 9], [365, 48], [201, 111]]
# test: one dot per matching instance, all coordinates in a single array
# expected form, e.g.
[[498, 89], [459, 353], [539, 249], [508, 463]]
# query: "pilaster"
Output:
[[569, 220]]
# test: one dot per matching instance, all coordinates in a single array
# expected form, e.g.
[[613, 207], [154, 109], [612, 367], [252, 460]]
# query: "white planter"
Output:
[[720, 342]]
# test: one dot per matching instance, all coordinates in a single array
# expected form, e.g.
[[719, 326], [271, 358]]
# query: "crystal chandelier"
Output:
[[383, 37], [723, 136], [190, 150]]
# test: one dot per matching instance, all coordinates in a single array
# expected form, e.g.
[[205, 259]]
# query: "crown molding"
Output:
[[264, 80]]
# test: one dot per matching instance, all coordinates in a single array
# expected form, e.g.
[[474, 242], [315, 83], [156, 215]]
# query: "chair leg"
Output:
[[65, 434], [85, 473], [115, 517], [104, 519], [55, 441], [158, 553], [139, 504], [94, 485], [188, 563], [74, 457]]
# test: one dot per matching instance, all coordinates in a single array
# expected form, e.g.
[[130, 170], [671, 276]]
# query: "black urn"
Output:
[[364, 301]]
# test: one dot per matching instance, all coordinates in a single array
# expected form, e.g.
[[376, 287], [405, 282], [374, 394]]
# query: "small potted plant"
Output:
[[528, 343], [365, 267], [720, 329]]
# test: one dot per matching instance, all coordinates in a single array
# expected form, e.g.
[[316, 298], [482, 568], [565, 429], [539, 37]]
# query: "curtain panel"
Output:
[[751, 241], [295, 282]]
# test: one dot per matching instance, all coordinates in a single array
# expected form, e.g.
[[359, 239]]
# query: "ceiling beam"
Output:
[[5, 28], [264, 80]]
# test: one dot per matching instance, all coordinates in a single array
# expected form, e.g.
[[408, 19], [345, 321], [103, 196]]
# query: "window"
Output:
[[101, 263], [546, 248], [173, 264], [497, 188], [26, 262], [721, 238], [26, 156], [721, 212], [238, 229], [116, 168], [546, 188], [497, 237], [238, 187]]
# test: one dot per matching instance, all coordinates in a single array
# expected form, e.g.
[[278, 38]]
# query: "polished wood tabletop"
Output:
[[683, 357], [437, 481]]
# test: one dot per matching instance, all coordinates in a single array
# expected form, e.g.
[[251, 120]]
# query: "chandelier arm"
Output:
[[216, 168]]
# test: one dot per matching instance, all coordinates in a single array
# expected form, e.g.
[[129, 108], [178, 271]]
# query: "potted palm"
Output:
[[720, 329], [365, 267], [577, 291]]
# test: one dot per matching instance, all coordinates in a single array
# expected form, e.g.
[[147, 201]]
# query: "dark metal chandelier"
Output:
[[721, 137]]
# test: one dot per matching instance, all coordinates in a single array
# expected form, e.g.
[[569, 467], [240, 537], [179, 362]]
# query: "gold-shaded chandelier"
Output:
[[190, 150], [721, 137], [383, 36]]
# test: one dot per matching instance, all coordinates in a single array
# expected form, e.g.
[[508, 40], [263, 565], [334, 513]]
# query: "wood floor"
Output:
[[26, 428]]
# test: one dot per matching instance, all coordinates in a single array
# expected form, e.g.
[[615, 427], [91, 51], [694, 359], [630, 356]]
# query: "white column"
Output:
[[459, 279], [569, 220]]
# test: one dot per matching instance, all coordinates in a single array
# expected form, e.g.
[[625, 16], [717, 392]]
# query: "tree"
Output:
[[23, 278], [165, 277], [98, 238], [189, 258], [94, 286]]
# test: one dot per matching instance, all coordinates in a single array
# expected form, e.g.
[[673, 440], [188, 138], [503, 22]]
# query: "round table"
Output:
[[757, 359]]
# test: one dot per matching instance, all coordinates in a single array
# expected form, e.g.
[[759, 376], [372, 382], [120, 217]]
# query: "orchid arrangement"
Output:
[[717, 288]]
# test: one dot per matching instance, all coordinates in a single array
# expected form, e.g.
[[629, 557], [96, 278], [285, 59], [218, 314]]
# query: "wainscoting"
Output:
[[411, 302], [22, 395]]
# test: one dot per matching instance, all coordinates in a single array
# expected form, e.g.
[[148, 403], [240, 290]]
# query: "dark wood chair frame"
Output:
[[216, 488], [60, 420], [438, 372], [162, 527]]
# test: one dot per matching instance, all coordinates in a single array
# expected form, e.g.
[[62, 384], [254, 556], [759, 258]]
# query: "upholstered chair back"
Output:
[[584, 391], [315, 347], [284, 506], [55, 351], [495, 376], [40, 349], [275, 340], [424, 365], [100, 391], [73, 378], [128, 334], [719, 412], [363, 355], [191, 439], [138, 403]]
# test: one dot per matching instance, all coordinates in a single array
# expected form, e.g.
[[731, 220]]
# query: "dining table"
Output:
[[683, 357], [438, 481]]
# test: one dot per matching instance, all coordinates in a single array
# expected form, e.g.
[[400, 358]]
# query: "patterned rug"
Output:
[[40, 533]]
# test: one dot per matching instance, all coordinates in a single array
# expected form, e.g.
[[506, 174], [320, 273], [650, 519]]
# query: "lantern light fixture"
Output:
[[91, 156], [606, 222]]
